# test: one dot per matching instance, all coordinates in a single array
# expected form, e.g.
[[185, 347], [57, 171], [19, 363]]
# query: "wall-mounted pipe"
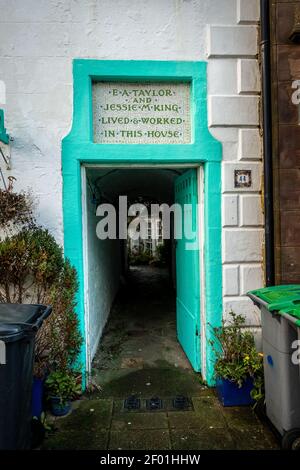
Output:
[[267, 141]]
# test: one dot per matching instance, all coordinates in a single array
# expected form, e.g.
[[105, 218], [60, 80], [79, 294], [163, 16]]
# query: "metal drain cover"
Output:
[[154, 403], [181, 402], [132, 403]]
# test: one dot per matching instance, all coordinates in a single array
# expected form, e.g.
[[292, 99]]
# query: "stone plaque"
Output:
[[141, 113]]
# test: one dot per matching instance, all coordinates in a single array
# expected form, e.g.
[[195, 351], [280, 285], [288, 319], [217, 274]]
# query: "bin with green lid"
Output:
[[292, 315], [19, 324], [280, 315], [277, 297]]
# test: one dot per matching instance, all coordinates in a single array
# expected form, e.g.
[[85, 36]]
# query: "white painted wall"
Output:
[[104, 271], [39, 39]]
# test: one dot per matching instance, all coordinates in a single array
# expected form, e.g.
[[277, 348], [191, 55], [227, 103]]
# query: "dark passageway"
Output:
[[139, 353]]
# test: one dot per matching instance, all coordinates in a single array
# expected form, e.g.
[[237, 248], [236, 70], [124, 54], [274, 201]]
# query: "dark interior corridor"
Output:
[[139, 353]]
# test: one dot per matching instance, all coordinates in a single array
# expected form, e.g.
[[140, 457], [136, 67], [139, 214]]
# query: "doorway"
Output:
[[116, 268], [80, 150]]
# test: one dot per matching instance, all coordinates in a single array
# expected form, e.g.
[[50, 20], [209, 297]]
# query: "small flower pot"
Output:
[[58, 408], [230, 394]]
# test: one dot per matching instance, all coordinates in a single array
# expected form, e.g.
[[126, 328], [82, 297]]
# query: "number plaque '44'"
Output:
[[242, 179]]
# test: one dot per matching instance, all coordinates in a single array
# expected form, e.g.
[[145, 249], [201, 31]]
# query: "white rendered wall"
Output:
[[104, 271], [39, 39]]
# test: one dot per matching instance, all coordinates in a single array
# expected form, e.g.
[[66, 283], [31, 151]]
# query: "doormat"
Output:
[[157, 404], [181, 403], [154, 404], [132, 403]]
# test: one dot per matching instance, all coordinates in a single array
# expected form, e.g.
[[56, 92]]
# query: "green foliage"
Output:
[[258, 391], [145, 257], [61, 334], [63, 386], [237, 357], [162, 252], [30, 262], [140, 258], [48, 425], [161, 255], [15, 210], [33, 270]]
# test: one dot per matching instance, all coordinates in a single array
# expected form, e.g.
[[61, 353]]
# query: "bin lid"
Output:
[[9, 330], [20, 313], [293, 312], [278, 297]]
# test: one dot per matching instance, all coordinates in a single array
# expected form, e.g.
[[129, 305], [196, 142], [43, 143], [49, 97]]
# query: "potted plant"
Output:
[[62, 387], [239, 366]]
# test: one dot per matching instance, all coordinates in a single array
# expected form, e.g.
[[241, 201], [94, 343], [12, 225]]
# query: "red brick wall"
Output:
[[286, 141]]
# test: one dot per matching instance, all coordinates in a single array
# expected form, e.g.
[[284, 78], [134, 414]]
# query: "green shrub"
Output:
[[33, 270], [30, 262], [140, 258], [162, 253], [61, 333], [15, 210]]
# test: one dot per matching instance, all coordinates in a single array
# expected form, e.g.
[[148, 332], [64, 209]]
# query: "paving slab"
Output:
[[185, 420], [129, 421], [87, 427], [90, 415], [241, 416], [140, 440], [252, 438], [80, 439], [209, 412], [149, 382], [211, 439]]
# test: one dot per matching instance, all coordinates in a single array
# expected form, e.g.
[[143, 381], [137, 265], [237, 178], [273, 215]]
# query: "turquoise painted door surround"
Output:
[[187, 268], [78, 149]]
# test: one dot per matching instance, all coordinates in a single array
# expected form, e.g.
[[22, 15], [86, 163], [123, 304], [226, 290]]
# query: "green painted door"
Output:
[[187, 267]]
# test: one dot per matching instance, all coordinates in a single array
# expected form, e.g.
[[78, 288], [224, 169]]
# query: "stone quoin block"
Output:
[[232, 41], [242, 306], [251, 278], [248, 76], [233, 111], [248, 11], [229, 137], [242, 245], [230, 210], [251, 212], [231, 280], [222, 77], [250, 144], [228, 170]]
